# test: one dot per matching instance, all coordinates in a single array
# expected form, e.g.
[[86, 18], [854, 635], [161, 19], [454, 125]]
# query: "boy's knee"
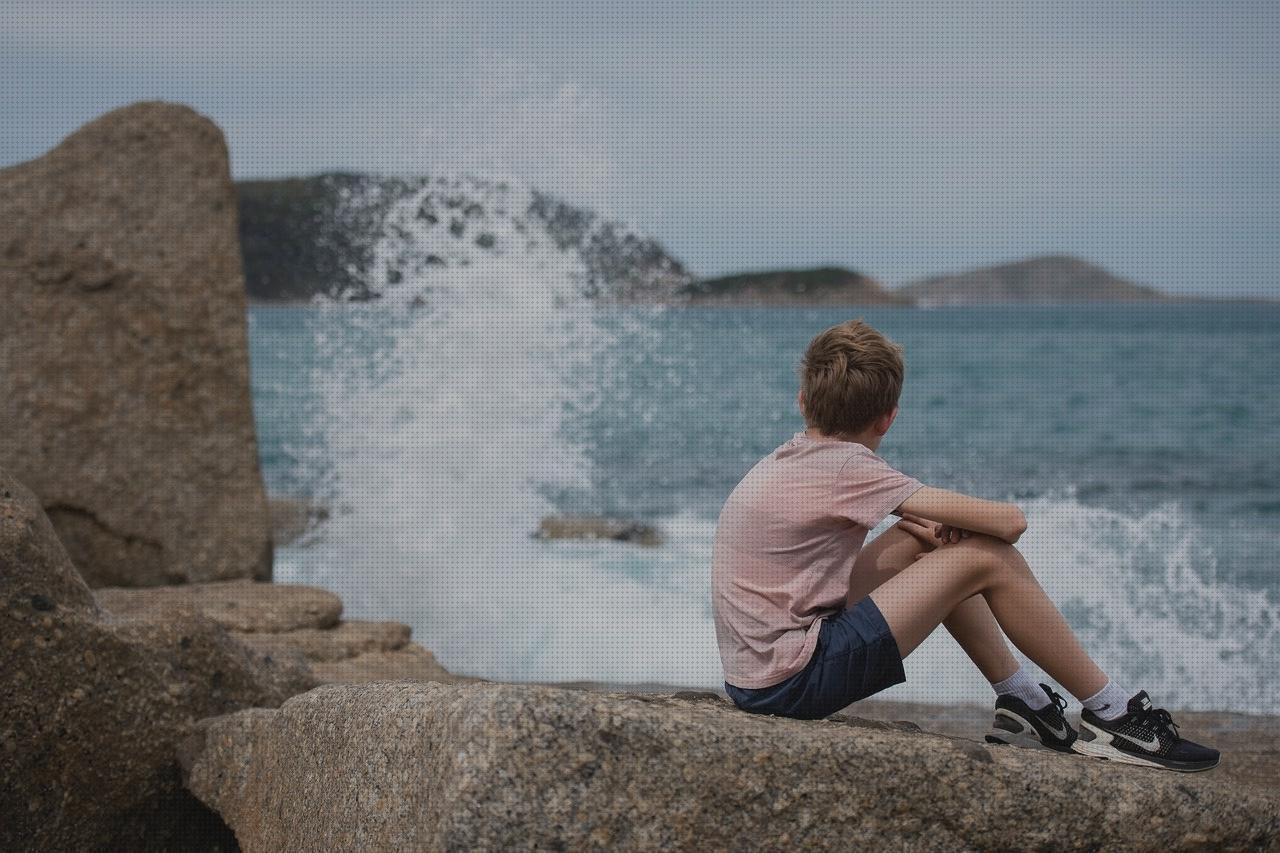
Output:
[[986, 553]]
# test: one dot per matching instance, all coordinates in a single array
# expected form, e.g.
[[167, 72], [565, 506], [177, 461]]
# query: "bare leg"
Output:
[[927, 592], [973, 626], [970, 622]]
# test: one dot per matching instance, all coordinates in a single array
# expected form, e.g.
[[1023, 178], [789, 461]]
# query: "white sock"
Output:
[[1024, 687], [1108, 703]]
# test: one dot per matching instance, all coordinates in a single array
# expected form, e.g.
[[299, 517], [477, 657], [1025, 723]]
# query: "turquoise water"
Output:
[[1141, 440]]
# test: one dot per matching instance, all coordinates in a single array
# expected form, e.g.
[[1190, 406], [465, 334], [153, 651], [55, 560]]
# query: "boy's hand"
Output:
[[931, 534]]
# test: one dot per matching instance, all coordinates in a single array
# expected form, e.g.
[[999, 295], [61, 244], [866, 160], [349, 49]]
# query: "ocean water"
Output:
[[1143, 443]]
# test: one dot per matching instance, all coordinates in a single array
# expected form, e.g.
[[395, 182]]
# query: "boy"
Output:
[[808, 620]]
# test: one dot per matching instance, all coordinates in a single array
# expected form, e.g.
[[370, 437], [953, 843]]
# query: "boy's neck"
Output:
[[867, 437]]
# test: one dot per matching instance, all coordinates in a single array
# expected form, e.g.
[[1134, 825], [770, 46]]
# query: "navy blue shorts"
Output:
[[855, 656]]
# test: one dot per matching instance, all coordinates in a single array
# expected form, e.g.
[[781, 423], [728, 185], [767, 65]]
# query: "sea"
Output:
[[1142, 441]]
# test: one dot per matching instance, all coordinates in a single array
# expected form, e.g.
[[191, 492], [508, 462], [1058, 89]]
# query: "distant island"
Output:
[[818, 286], [1051, 280]]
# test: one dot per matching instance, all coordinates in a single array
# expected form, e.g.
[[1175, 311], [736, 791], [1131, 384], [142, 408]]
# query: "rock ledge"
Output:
[[497, 766]]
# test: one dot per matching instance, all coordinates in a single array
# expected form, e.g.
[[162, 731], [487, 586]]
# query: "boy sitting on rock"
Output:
[[808, 620]]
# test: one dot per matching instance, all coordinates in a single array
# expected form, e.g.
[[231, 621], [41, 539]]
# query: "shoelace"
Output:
[[1060, 704], [1158, 719]]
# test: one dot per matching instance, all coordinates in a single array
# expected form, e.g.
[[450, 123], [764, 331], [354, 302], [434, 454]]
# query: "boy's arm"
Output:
[[995, 518]]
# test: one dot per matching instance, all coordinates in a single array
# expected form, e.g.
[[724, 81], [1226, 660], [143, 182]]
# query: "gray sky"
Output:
[[897, 138]]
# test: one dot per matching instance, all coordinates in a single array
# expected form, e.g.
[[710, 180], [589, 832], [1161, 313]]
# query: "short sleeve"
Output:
[[867, 489]]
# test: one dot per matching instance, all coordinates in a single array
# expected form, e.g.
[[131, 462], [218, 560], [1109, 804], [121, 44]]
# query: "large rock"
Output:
[[92, 706], [497, 766], [124, 368]]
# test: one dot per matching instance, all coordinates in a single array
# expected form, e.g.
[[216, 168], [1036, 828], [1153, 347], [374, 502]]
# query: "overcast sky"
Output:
[[897, 138]]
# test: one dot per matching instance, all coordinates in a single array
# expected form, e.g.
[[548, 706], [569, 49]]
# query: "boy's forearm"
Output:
[[994, 518]]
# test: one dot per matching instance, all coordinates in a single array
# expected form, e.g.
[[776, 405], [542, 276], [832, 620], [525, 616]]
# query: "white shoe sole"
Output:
[[1100, 747]]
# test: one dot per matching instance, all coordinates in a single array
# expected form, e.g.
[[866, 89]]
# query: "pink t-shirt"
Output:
[[784, 549]]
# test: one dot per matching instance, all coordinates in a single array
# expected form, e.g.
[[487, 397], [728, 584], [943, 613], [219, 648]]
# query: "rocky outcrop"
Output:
[[498, 766], [93, 704], [357, 237], [306, 237], [1050, 280], [123, 351], [300, 624], [821, 286]]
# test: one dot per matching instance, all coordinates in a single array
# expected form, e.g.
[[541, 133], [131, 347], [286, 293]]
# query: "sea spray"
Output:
[[444, 445]]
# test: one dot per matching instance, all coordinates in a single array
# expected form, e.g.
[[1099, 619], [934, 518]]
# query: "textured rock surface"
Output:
[[92, 706], [1250, 743], [235, 605], [411, 663], [342, 641], [496, 766], [123, 351]]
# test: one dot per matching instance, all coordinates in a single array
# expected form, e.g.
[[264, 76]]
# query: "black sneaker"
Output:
[[1018, 725], [1146, 736]]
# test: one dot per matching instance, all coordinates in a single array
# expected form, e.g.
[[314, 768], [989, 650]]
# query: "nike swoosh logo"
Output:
[[1153, 744], [1061, 733]]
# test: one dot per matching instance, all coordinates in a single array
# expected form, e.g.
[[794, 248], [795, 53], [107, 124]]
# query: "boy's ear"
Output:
[[886, 421]]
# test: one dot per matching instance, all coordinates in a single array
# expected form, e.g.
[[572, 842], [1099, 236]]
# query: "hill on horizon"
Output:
[[1045, 280]]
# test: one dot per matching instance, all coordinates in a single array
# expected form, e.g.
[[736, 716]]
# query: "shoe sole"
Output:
[[1022, 740], [1100, 747]]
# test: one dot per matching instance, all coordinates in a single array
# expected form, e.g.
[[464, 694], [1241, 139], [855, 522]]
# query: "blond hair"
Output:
[[850, 375]]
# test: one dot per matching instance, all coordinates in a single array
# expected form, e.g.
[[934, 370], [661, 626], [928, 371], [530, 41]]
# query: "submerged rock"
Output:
[[93, 705], [598, 527], [499, 766], [293, 518], [124, 368]]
